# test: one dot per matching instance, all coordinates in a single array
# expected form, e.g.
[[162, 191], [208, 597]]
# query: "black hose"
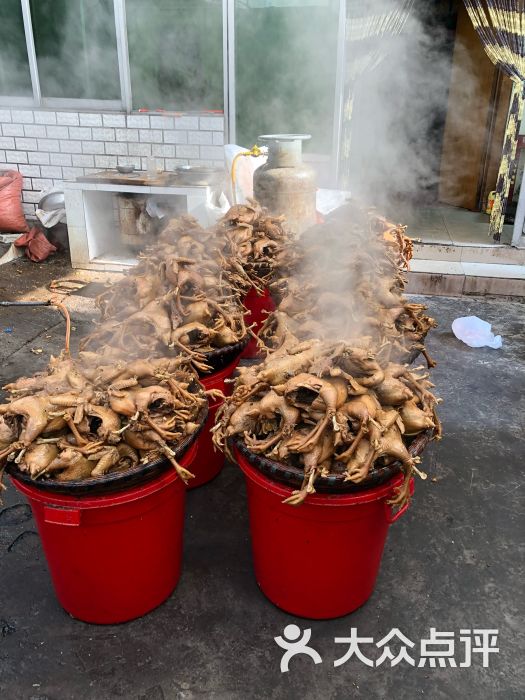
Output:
[[25, 303]]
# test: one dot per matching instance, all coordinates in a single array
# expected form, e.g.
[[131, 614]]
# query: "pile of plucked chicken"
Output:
[[185, 295], [133, 394], [250, 241], [81, 419], [176, 300], [345, 280], [335, 394]]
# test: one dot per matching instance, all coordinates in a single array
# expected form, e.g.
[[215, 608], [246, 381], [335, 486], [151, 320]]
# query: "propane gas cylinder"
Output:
[[286, 185]]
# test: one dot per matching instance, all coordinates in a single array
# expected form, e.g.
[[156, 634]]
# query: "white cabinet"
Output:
[[93, 219]]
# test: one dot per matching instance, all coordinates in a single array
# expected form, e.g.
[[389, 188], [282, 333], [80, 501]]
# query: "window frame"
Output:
[[37, 101], [125, 104]]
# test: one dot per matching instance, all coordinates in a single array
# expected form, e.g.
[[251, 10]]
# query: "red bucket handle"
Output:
[[392, 516], [62, 516]]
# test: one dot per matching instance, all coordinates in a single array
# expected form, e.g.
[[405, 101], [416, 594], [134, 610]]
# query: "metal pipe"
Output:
[[519, 219], [225, 94], [229, 71], [119, 8], [31, 53], [25, 303], [339, 92]]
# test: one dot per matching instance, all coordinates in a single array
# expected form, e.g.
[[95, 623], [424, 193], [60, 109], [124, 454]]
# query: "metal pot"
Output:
[[52, 201], [198, 175]]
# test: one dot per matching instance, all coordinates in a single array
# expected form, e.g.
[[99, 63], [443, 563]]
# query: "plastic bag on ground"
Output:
[[37, 247], [475, 332], [12, 253]]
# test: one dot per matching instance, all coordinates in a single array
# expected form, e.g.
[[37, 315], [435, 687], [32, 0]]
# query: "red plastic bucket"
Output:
[[320, 559], [113, 558], [209, 461], [258, 305]]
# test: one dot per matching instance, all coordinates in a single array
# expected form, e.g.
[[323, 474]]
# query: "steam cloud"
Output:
[[398, 121], [400, 109]]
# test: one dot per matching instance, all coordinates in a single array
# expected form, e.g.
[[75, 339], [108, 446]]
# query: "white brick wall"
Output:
[[48, 147]]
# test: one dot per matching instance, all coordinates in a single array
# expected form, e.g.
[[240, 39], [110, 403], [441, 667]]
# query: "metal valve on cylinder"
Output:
[[286, 185]]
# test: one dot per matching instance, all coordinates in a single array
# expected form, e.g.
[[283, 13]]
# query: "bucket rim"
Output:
[[374, 493], [118, 481], [208, 380], [217, 357], [90, 502], [292, 477]]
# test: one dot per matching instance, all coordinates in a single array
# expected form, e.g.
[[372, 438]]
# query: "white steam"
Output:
[[400, 111]]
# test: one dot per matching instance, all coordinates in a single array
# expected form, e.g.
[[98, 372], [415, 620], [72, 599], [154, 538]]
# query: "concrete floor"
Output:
[[449, 225], [454, 561]]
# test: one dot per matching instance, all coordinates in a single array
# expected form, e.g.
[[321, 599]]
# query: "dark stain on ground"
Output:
[[21, 540], [6, 628], [155, 693], [15, 515], [24, 277]]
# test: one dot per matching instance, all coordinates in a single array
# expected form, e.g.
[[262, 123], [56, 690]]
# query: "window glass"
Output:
[[76, 48], [175, 54], [15, 80], [285, 64]]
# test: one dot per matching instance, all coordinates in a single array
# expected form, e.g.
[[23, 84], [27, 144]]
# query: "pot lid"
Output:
[[285, 137]]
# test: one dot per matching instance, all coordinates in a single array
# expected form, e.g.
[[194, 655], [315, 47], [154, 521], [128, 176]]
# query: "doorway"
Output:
[[472, 133], [432, 157]]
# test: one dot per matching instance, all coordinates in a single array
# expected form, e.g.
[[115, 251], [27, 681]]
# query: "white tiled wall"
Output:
[[48, 147]]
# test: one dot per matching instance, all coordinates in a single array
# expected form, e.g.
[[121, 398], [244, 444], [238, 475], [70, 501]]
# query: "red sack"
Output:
[[11, 212], [38, 248]]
